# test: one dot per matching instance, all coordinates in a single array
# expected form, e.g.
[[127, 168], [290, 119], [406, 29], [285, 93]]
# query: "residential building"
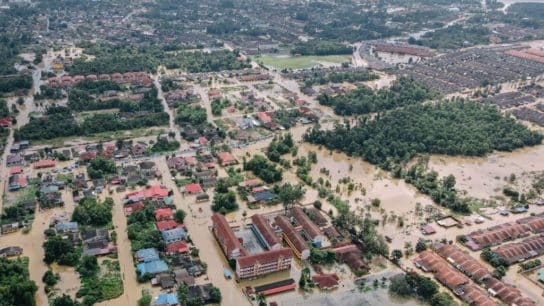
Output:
[[230, 245], [264, 232], [252, 266], [310, 228], [293, 238]]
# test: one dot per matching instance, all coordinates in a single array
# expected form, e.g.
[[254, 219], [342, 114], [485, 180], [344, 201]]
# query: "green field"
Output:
[[300, 62]]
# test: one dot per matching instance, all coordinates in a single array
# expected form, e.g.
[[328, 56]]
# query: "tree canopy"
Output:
[[90, 211], [17, 288]]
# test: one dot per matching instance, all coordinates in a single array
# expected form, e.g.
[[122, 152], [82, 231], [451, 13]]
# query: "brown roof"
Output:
[[263, 258], [474, 296], [225, 234], [308, 225], [527, 248], [291, 233], [507, 293], [325, 281], [498, 234], [463, 261], [261, 223]]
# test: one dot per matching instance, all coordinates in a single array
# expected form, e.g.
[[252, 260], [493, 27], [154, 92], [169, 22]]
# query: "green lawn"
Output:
[[300, 62]]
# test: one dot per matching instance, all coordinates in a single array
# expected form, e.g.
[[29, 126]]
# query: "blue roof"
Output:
[[147, 255], [152, 267], [66, 226], [175, 234], [49, 189], [227, 273], [170, 299], [265, 195]]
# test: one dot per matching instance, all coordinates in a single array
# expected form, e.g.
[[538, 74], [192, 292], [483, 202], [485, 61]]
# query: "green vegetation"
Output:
[[280, 145], [300, 62], [455, 37], [60, 122], [321, 47], [224, 202], [289, 194], [319, 257], [9, 84], [339, 77], [100, 167], [61, 251], [110, 58], [493, 259], [99, 283], [164, 145], [82, 99], [90, 211], [218, 105], [450, 127], [415, 285], [531, 264], [364, 100], [17, 288], [263, 169], [194, 115], [48, 92], [142, 231]]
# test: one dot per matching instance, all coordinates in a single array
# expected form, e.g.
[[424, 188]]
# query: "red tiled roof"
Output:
[[155, 191], [193, 188], [177, 247], [263, 258], [308, 225], [279, 289], [226, 158], [46, 163], [87, 155], [225, 235], [463, 261], [264, 117], [163, 213], [325, 281], [133, 207], [261, 223], [291, 233], [15, 170], [166, 224]]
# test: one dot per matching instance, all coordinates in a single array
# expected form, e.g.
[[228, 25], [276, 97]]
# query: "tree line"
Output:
[[321, 47], [364, 100]]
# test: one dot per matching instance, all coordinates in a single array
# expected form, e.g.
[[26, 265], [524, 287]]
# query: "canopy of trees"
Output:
[[110, 58], [17, 288], [450, 127], [321, 47], [90, 211], [61, 251], [194, 115], [142, 231], [100, 166], [10, 84], [364, 100], [263, 169]]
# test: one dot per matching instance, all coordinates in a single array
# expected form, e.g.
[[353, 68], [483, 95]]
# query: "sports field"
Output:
[[301, 62]]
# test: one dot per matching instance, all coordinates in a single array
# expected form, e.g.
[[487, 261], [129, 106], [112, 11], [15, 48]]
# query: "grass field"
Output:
[[301, 62]]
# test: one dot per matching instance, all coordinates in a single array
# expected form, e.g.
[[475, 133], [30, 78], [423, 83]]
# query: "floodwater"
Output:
[[507, 3], [484, 177]]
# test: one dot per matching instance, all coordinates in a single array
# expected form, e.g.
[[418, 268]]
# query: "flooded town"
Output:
[[283, 152]]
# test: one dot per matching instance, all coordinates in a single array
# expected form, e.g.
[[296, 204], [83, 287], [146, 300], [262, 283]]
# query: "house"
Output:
[[310, 228], [264, 118], [165, 280], [276, 287], [133, 207], [86, 156], [16, 170], [182, 276], [66, 227], [177, 247], [173, 235], [148, 168], [14, 159], [496, 235], [147, 255], [152, 192], [316, 216], [152, 267], [164, 214], [164, 225], [167, 299], [259, 264], [463, 261], [508, 294], [6, 122], [350, 255], [209, 182], [224, 235], [226, 159], [521, 251], [261, 196], [200, 291], [10, 228], [427, 230], [264, 232], [202, 197], [293, 238], [46, 163], [11, 251], [16, 182], [326, 281], [96, 248], [193, 188]]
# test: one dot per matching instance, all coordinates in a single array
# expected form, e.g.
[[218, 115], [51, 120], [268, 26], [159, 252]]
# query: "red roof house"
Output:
[[46, 163], [16, 170], [153, 192], [326, 281], [133, 207], [166, 224], [264, 118], [226, 159], [164, 214], [177, 247], [193, 188], [5, 122]]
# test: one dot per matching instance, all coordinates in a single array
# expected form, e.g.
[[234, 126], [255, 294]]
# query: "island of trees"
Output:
[[364, 100], [321, 47]]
